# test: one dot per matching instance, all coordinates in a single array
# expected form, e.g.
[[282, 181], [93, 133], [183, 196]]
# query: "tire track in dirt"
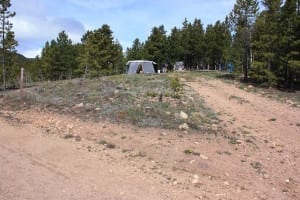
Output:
[[268, 131], [52, 168]]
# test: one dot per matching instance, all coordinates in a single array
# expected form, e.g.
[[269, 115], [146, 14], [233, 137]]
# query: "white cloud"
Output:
[[32, 53], [38, 21]]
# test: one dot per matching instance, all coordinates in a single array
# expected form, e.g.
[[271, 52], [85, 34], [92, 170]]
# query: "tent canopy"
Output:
[[134, 66]]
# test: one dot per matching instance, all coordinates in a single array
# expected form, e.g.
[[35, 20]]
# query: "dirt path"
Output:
[[35, 167], [45, 155], [271, 127]]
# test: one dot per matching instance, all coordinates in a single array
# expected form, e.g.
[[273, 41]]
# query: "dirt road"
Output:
[[44, 155]]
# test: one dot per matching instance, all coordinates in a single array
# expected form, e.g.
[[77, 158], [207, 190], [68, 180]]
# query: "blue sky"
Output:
[[38, 21]]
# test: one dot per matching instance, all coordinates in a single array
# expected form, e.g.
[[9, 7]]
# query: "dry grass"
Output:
[[142, 100]]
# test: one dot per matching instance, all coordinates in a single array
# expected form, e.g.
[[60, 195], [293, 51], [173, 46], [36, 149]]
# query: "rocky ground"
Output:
[[254, 155]]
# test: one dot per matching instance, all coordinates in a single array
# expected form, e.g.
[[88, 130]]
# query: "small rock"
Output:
[[148, 109], [250, 86], [195, 176], [184, 126], [191, 99], [287, 181], [183, 115], [80, 105], [163, 134], [214, 127], [97, 109], [195, 181], [168, 113], [192, 161], [203, 157], [239, 141], [70, 126], [226, 183]]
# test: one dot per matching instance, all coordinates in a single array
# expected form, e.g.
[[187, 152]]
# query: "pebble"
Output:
[[203, 157], [226, 183], [184, 126], [195, 176], [183, 115], [163, 134], [195, 179]]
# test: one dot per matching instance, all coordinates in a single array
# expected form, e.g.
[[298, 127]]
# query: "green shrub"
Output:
[[175, 84], [259, 74]]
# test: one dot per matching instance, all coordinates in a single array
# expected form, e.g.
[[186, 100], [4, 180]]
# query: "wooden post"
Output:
[[21, 83]]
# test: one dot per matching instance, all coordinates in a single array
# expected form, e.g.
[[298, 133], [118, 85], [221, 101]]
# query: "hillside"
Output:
[[117, 138]]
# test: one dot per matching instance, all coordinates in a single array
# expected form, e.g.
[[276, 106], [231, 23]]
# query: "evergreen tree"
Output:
[[242, 18], [136, 51], [155, 46], [266, 43], [12, 69], [290, 42], [59, 58], [218, 42], [174, 45], [99, 52], [6, 27]]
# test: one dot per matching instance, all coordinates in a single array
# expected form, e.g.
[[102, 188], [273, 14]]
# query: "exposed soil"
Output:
[[255, 155]]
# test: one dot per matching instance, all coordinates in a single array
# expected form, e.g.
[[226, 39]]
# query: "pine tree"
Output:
[[136, 51], [242, 18], [290, 42], [6, 27], [12, 69], [99, 51], [155, 46]]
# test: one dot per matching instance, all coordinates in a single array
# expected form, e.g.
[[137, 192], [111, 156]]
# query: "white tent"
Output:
[[140, 66]]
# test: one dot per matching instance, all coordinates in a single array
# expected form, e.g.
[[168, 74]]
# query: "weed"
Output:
[[121, 99], [111, 146], [191, 152], [188, 151], [248, 140], [257, 166], [151, 94], [227, 153], [107, 144], [68, 136], [102, 142], [125, 150], [139, 154], [238, 99], [175, 84]]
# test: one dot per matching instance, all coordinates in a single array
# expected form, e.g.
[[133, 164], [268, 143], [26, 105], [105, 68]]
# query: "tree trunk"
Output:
[[3, 51]]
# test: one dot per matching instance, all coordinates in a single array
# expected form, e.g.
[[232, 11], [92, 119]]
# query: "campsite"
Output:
[[122, 142], [150, 100]]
